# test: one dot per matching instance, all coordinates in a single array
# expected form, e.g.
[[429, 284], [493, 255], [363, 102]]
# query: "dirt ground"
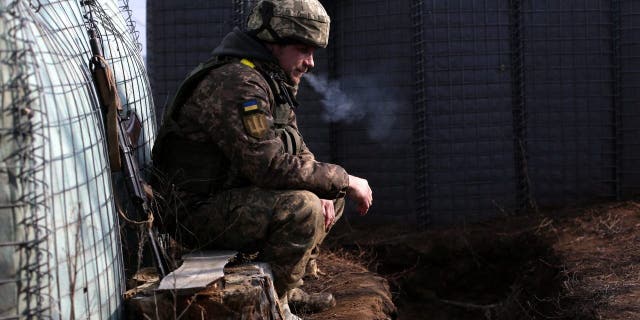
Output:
[[563, 264], [359, 293]]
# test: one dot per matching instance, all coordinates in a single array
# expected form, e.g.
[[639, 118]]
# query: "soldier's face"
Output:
[[294, 59]]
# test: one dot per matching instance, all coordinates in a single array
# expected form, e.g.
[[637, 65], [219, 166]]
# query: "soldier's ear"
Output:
[[275, 47], [272, 47]]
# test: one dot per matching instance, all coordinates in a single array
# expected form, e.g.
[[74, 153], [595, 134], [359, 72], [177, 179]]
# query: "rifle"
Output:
[[120, 143]]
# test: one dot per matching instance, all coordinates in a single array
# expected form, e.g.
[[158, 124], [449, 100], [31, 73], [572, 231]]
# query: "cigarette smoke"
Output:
[[365, 101], [338, 106]]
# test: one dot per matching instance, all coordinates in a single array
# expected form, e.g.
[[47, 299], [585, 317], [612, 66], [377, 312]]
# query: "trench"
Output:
[[475, 276]]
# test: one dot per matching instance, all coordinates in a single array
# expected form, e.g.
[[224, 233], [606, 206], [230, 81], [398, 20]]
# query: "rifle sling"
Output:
[[108, 93]]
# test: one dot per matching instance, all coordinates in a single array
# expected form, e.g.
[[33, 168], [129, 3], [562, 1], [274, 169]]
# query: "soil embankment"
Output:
[[565, 264]]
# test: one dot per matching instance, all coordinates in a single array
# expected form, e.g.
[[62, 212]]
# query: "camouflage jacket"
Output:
[[226, 135]]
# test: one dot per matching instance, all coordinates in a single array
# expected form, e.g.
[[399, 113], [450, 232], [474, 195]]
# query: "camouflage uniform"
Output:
[[240, 175]]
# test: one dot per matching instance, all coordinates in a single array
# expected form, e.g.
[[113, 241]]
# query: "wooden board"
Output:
[[197, 271]]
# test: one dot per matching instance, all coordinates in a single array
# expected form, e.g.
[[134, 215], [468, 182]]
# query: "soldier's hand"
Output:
[[361, 193], [329, 213]]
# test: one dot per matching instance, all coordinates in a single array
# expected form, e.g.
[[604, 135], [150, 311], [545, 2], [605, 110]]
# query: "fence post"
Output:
[[616, 76], [524, 198], [419, 132]]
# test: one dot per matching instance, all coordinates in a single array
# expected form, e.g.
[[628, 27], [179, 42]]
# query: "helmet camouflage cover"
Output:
[[290, 21]]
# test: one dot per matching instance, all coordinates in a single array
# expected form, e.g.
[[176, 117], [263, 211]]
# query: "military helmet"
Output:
[[290, 21]]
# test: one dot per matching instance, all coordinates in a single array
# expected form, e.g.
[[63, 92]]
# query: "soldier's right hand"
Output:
[[361, 193]]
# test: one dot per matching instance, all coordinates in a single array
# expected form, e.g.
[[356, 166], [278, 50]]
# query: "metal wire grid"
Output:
[[126, 12], [180, 36], [318, 133], [336, 37], [68, 263], [22, 253], [628, 75], [122, 50], [504, 113], [375, 70], [83, 243], [571, 115], [420, 122], [469, 109], [524, 199], [616, 97], [570, 94]]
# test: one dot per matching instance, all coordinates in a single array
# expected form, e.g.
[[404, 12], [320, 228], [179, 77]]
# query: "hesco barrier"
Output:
[[60, 255], [460, 110], [181, 35]]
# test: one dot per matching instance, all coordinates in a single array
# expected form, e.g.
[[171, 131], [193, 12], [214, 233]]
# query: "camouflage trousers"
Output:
[[284, 226]]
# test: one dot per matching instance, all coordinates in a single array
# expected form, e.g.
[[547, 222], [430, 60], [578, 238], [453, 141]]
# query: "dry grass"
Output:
[[589, 258]]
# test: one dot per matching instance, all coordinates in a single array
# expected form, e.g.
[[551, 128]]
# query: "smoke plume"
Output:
[[365, 101], [338, 106]]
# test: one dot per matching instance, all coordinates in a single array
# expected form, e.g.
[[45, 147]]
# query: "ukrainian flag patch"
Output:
[[254, 120], [250, 105]]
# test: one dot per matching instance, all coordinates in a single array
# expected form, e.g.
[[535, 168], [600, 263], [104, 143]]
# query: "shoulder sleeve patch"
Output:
[[254, 120]]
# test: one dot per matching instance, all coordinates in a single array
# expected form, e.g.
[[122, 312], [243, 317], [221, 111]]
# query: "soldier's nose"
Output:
[[308, 62]]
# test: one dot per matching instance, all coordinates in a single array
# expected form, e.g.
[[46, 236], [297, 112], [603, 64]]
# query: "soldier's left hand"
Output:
[[360, 191], [329, 213]]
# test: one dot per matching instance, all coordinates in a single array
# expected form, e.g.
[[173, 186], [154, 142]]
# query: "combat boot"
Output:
[[286, 310], [314, 302], [312, 270]]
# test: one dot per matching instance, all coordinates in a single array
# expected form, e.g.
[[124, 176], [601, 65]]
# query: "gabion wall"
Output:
[[60, 249], [460, 110]]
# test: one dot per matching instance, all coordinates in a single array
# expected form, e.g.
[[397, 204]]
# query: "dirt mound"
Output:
[[359, 293], [569, 264], [578, 264], [600, 250], [466, 274]]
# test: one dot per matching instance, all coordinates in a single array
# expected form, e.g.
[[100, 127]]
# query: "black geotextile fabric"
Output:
[[526, 102]]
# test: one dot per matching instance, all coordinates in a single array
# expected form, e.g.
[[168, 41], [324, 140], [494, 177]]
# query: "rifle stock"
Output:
[[121, 146]]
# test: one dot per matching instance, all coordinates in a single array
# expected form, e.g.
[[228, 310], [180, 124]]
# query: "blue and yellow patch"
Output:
[[254, 120], [250, 105]]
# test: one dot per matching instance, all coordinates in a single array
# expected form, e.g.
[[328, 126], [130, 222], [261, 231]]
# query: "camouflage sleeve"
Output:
[[235, 109], [305, 153]]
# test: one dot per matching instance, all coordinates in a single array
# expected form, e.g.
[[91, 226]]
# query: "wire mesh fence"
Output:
[[60, 254], [537, 80], [628, 86], [505, 106], [569, 93], [23, 253], [371, 64], [468, 109], [179, 36], [517, 104]]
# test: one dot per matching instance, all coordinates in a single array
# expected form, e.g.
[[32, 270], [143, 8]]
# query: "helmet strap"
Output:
[[266, 13]]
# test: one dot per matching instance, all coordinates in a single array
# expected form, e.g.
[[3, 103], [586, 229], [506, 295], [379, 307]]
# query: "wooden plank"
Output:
[[198, 270]]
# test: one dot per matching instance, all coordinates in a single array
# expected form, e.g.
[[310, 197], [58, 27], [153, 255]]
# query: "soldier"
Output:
[[240, 173]]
